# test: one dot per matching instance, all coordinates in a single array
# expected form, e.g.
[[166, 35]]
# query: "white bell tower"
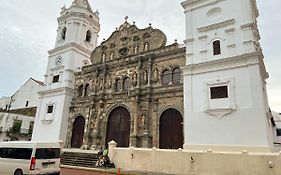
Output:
[[225, 98], [77, 34]]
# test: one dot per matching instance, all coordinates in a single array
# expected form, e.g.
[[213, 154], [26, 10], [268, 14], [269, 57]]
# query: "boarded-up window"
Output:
[[217, 47], [165, 77], [176, 76], [219, 92]]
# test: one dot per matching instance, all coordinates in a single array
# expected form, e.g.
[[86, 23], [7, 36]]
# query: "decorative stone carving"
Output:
[[155, 75], [109, 82], [134, 78], [144, 76], [142, 120]]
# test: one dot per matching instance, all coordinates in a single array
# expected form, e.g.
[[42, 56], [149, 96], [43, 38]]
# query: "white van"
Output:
[[18, 158]]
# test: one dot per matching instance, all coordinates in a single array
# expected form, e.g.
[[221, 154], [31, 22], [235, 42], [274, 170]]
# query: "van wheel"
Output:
[[18, 172]]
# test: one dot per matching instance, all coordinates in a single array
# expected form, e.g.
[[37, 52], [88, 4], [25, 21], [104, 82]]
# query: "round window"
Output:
[[124, 51]]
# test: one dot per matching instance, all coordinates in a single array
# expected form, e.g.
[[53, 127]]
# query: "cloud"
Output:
[[28, 31]]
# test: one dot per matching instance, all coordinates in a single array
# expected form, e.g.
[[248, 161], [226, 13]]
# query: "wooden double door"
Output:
[[171, 130], [118, 127]]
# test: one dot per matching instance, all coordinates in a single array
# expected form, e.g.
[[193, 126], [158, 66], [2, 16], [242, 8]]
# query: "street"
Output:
[[67, 171]]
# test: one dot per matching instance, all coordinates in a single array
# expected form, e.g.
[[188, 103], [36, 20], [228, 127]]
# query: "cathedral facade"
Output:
[[132, 93]]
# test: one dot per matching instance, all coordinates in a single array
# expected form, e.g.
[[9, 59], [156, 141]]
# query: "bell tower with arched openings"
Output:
[[225, 98], [77, 35]]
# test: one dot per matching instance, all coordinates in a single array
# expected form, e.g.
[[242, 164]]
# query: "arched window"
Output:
[[176, 77], [80, 91], [118, 85], [126, 84], [217, 47], [88, 36], [87, 86], [165, 77], [63, 33]]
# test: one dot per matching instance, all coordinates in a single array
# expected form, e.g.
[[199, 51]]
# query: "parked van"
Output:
[[28, 157]]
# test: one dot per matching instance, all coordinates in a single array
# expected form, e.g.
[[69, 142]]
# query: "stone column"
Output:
[[149, 71], [97, 128]]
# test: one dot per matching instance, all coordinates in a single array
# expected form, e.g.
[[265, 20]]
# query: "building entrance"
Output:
[[171, 130], [78, 132], [118, 127]]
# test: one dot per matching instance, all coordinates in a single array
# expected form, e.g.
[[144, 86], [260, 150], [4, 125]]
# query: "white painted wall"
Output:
[[277, 119], [184, 162], [231, 22], [73, 52], [27, 92], [241, 119]]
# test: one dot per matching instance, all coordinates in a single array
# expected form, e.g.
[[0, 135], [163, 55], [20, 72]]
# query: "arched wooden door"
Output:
[[171, 130], [78, 132], [118, 127]]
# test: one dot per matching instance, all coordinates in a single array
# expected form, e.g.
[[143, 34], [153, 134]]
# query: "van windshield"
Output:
[[47, 153]]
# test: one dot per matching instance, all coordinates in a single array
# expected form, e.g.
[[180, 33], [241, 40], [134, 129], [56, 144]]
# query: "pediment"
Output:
[[128, 40]]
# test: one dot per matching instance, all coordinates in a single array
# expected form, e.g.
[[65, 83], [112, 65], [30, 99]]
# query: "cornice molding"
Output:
[[70, 46], [222, 64], [216, 25], [189, 5]]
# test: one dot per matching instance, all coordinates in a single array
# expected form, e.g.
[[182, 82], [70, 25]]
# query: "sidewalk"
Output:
[[113, 171]]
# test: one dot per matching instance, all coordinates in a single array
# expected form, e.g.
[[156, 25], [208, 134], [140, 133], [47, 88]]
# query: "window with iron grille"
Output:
[[176, 78]]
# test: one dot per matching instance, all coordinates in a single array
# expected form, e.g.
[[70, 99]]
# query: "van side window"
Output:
[[16, 153], [47, 153]]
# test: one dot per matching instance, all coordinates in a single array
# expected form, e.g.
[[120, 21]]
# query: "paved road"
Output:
[[66, 171]]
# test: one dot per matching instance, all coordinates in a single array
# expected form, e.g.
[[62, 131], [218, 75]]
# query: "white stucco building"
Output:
[[27, 95], [5, 102], [277, 128], [19, 108], [225, 96], [78, 28]]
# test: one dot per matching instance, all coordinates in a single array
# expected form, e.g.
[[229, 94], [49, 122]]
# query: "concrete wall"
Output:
[[197, 162]]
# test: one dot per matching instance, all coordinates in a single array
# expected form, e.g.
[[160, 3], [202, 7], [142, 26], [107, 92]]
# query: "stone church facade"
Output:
[[132, 93]]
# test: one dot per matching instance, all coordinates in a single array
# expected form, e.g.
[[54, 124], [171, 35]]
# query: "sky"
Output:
[[28, 31]]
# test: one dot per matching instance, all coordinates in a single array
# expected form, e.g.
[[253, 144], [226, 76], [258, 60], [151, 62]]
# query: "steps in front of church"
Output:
[[80, 159]]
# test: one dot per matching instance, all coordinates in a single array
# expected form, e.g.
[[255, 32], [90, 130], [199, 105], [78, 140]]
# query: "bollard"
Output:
[[118, 171]]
